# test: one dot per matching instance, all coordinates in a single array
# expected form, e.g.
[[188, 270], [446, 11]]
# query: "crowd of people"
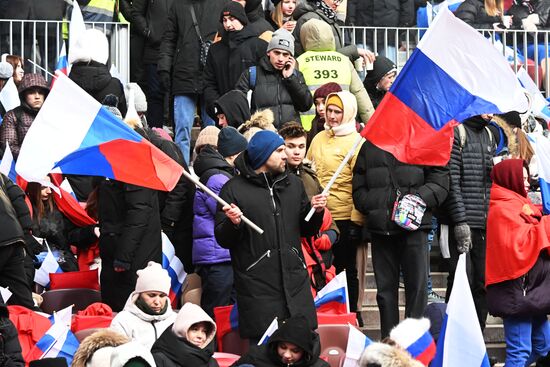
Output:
[[280, 104]]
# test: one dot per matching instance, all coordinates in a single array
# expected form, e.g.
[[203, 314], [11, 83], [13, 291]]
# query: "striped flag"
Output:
[[461, 341], [542, 149], [7, 164], [333, 298], [49, 265], [174, 267], [539, 104], [357, 342], [269, 331]]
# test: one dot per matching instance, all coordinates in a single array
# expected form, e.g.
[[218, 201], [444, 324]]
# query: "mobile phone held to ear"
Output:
[[288, 65]]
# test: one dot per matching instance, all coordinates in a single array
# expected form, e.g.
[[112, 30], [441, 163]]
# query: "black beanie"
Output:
[[382, 65], [49, 362], [235, 10], [512, 118], [230, 141]]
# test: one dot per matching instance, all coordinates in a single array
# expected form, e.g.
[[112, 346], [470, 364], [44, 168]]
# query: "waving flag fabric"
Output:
[[454, 73], [9, 97], [7, 164], [542, 149], [227, 320], [49, 265], [269, 331], [74, 134], [76, 29], [357, 342], [174, 267], [461, 341], [540, 105], [333, 297], [62, 61]]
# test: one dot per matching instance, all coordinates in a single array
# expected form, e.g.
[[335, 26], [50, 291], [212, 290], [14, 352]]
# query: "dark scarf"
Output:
[[140, 303], [327, 10]]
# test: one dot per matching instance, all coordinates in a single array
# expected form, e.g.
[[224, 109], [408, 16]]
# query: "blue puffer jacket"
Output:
[[214, 172]]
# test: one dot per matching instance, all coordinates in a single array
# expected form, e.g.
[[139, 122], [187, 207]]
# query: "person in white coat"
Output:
[[147, 312]]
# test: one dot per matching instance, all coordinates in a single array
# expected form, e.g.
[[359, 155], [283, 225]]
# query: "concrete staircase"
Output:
[[493, 334]]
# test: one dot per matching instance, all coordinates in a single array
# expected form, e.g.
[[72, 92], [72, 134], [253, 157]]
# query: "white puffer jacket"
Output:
[[139, 326]]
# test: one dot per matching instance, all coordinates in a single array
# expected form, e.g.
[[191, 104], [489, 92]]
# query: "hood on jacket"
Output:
[[385, 355], [234, 106], [260, 120], [316, 35], [511, 138], [302, 8], [125, 352], [92, 77], [91, 46], [210, 158], [297, 331], [131, 307], [32, 81], [348, 119], [476, 122], [191, 314], [253, 9], [381, 66], [101, 339], [509, 174]]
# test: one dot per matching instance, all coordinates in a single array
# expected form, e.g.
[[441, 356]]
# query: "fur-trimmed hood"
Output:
[[100, 339], [513, 148], [385, 355], [260, 120]]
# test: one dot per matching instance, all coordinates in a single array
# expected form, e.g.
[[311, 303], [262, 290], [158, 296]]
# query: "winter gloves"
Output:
[[463, 238]]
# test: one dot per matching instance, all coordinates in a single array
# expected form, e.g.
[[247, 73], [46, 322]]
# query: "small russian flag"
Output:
[[542, 149], [357, 342], [7, 164], [227, 320], [333, 298], [173, 265], [49, 265], [269, 331], [414, 335]]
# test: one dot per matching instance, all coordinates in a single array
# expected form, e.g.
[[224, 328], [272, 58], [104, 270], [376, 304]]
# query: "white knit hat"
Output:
[[6, 70], [140, 101], [153, 278], [92, 45]]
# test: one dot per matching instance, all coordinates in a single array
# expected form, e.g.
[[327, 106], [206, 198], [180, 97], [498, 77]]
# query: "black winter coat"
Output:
[[381, 13], [270, 275], [286, 97], [15, 218], [129, 222], [97, 81], [473, 12], [227, 60], [149, 20], [49, 10], [470, 168], [180, 46], [10, 356], [171, 351], [256, 17], [374, 194]]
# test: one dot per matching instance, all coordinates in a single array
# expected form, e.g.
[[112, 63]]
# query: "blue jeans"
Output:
[[184, 114], [527, 338], [217, 286]]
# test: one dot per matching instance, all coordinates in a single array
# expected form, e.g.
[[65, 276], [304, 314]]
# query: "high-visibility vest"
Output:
[[96, 11], [321, 67]]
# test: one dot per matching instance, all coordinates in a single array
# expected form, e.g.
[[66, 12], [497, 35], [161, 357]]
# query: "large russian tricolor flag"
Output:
[[542, 149], [333, 298], [74, 134], [460, 340], [454, 73]]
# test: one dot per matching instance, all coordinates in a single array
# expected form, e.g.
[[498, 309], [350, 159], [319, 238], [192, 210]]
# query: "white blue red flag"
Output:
[[174, 267], [357, 342], [74, 134], [454, 73], [7, 164], [460, 340], [9, 96], [333, 297], [269, 331], [49, 265]]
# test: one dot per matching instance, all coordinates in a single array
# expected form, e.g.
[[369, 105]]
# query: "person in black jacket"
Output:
[[149, 20], [293, 343], [90, 70], [14, 35], [256, 16], [476, 14], [466, 207], [15, 226], [232, 109], [276, 83], [238, 49], [377, 177], [269, 270], [380, 79], [10, 349], [179, 67]]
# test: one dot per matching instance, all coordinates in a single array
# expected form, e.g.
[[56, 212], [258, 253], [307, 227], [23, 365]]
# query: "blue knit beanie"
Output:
[[260, 147]]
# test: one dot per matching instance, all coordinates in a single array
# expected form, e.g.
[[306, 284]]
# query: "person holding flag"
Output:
[[518, 266], [382, 184], [147, 312], [293, 343]]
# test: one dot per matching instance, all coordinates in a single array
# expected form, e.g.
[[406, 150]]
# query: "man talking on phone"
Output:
[[276, 83]]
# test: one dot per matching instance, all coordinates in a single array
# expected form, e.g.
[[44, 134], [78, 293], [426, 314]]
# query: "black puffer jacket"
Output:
[[97, 81], [473, 12], [470, 168], [180, 46], [286, 97], [14, 213], [381, 13], [374, 193], [307, 10], [270, 275], [10, 356], [149, 20], [227, 60]]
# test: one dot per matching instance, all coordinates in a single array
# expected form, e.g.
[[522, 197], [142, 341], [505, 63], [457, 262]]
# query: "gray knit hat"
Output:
[[282, 40], [6, 70]]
